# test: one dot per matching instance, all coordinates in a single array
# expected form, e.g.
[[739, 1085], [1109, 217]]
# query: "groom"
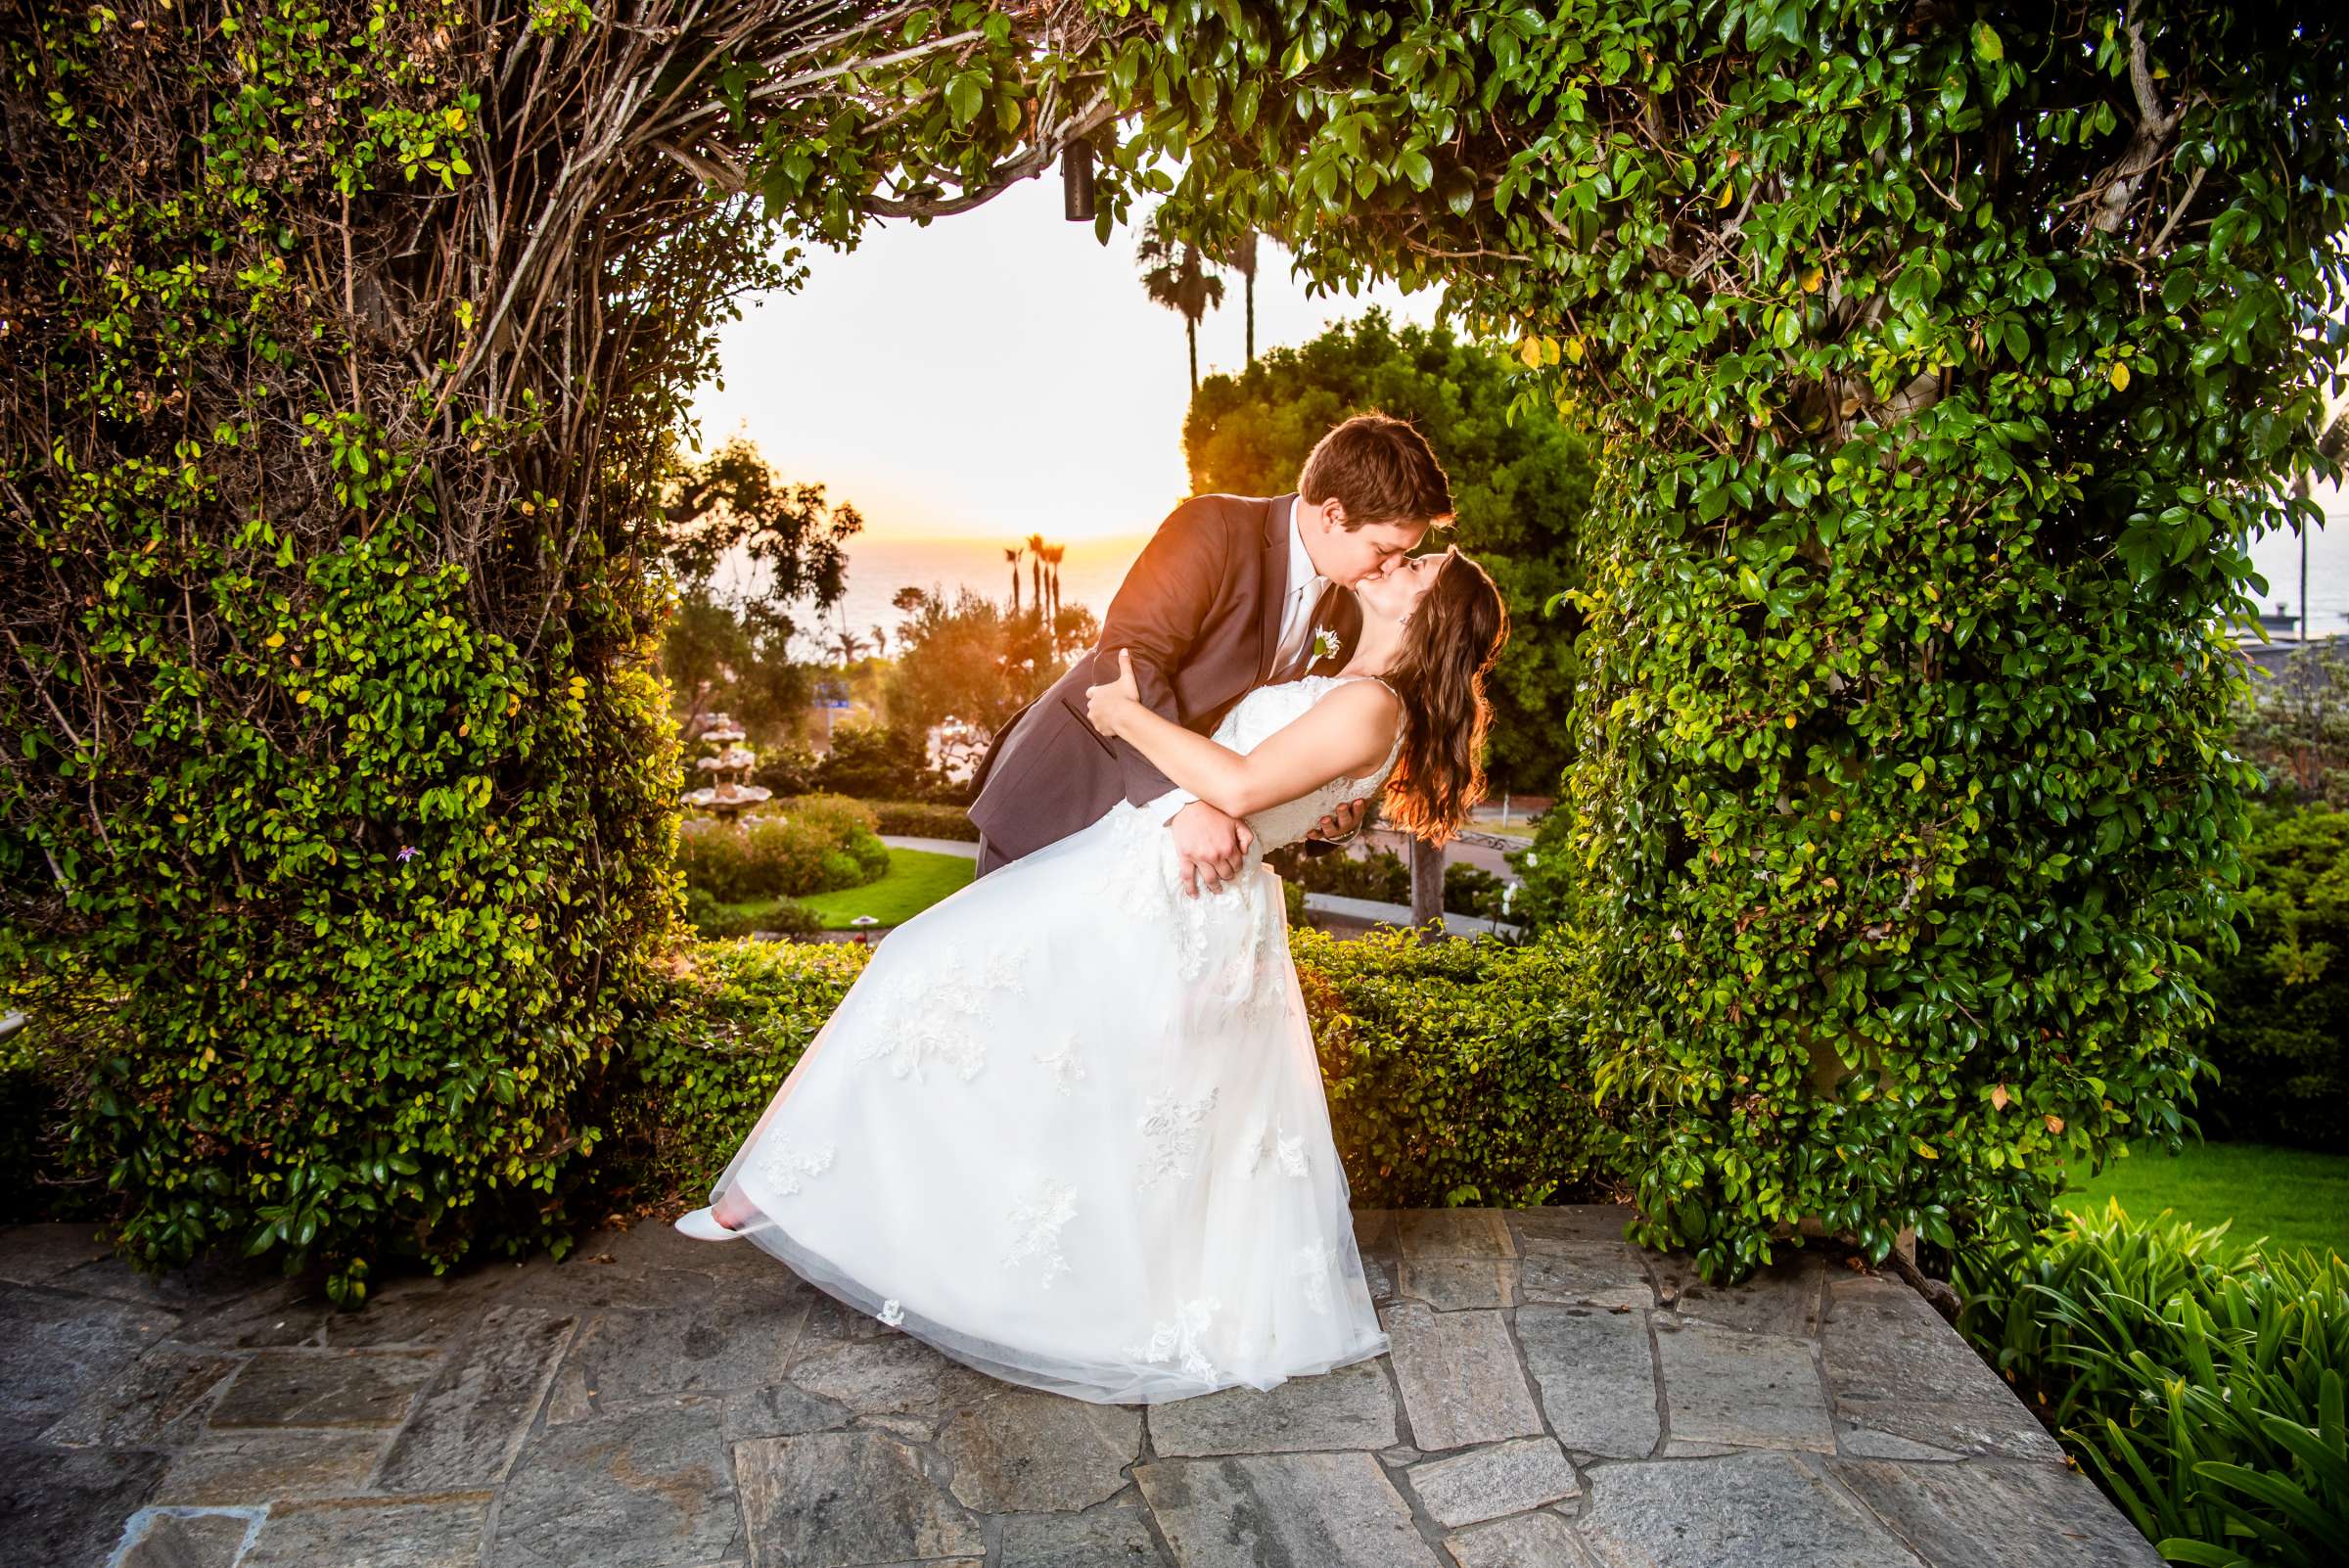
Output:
[[1232, 592]]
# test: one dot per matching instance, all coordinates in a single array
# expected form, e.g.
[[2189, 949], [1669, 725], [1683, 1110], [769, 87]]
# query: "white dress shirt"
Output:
[[1296, 615]]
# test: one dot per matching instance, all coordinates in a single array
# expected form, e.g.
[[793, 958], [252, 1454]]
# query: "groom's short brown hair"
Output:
[[1381, 470]]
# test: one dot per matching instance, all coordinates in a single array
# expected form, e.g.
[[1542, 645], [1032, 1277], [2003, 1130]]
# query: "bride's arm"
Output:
[[1342, 736]]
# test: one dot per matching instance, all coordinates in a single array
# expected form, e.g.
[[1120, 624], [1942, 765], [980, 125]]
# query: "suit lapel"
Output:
[[1275, 578]]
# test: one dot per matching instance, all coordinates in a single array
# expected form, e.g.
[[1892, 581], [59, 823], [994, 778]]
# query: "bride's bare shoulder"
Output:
[[1366, 703], [1367, 695]]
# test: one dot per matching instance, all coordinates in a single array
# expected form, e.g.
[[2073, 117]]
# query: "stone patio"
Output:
[[1555, 1398]]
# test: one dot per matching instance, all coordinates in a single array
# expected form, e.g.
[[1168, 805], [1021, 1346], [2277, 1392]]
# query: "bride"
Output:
[[1068, 1126]]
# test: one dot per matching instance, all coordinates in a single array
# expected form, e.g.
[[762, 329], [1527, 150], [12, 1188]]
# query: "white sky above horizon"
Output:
[[996, 374]]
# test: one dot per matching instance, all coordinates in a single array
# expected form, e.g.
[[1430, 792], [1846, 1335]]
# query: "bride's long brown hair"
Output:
[[1449, 647]]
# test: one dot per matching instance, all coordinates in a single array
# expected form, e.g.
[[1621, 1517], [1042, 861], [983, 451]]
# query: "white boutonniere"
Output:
[[1325, 644]]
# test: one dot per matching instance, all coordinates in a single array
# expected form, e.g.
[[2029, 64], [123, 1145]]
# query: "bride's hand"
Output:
[[1105, 705]]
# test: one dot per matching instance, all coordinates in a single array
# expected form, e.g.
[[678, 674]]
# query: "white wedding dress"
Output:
[[1068, 1126]]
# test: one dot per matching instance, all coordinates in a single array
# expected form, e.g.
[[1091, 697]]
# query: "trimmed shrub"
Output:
[[878, 760], [1380, 876], [2278, 1033], [714, 921], [1456, 1073], [2204, 1394], [811, 843], [731, 1024], [1452, 1077], [841, 816], [924, 819]]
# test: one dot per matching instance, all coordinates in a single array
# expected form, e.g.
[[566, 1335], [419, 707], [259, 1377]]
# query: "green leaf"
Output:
[[963, 95]]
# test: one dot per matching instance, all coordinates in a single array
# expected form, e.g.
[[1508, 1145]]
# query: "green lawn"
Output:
[[916, 880], [2291, 1196]]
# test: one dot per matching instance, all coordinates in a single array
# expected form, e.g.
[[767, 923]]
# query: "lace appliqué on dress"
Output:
[[1275, 1142], [1179, 1340], [1171, 1129], [1061, 1062], [937, 1013], [1313, 1263], [1035, 1222], [783, 1165]]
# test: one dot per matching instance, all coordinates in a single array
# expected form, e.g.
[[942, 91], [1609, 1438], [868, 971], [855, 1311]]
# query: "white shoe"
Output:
[[703, 1226]]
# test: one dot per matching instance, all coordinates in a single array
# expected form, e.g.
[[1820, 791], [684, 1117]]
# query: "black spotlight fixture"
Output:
[[1077, 181]]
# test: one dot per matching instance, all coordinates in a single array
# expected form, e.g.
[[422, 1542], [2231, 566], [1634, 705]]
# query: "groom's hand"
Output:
[[1210, 844], [1340, 823]]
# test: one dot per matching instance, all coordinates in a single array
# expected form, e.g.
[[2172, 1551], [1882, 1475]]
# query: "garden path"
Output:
[[1555, 1399]]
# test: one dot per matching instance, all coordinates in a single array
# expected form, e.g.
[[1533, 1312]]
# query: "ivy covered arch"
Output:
[[1945, 356]]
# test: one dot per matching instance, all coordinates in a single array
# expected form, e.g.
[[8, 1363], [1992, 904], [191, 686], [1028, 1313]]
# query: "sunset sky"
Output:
[[1000, 373], [996, 374]]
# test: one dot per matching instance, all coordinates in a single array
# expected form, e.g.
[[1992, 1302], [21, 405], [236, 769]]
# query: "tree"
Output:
[[733, 650], [714, 660], [1174, 274], [1012, 555], [732, 506], [1521, 487], [2295, 725], [877, 762], [1240, 256], [967, 663], [1035, 567]]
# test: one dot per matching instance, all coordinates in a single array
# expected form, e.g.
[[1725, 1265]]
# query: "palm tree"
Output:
[[845, 642], [1052, 555], [1013, 556], [1174, 274], [1240, 256], [880, 642], [1036, 553]]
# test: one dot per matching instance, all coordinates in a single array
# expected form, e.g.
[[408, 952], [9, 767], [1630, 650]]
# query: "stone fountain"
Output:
[[727, 764]]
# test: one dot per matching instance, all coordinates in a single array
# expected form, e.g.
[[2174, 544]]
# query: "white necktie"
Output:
[[1300, 608]]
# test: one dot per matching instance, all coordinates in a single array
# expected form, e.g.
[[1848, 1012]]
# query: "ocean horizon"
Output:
[[880, 566]]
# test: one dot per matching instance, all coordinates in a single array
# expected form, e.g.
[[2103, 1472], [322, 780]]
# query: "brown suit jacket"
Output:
[[1199, 612]]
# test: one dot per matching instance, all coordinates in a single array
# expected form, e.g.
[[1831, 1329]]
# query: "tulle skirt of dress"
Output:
[[1068, 1128]]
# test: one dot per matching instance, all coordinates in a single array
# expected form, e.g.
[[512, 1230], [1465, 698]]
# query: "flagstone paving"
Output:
[[1555, 1399]]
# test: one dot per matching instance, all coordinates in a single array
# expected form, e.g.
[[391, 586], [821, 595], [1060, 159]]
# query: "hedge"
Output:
[[921, 820], [2278, 1033], [787, 848], [1452, 1075]]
